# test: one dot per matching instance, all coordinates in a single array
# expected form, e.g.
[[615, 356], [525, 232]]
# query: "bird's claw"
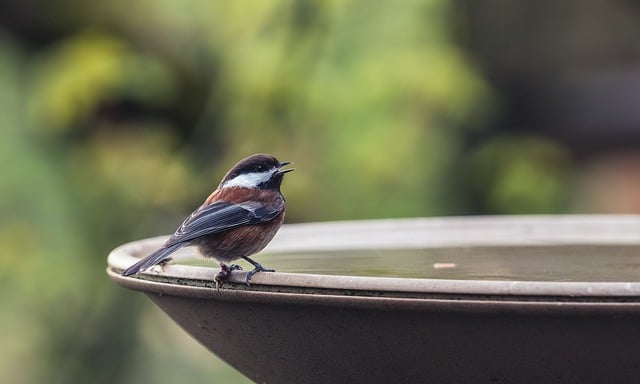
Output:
[[223, 275], [257, 268], [225, 270]]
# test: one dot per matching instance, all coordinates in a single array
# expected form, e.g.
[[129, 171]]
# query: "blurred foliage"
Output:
[[521, 175], [83, 72], [117, 119]]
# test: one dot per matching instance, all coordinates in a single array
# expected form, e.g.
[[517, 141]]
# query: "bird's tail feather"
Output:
[[156, 257]]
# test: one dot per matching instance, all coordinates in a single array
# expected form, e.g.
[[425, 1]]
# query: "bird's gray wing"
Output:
[[221, 216]]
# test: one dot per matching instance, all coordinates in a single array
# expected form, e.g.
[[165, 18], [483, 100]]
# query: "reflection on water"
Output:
[[557, 263]]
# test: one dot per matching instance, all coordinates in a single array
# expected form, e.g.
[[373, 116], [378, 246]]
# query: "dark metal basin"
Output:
[[464, 300]]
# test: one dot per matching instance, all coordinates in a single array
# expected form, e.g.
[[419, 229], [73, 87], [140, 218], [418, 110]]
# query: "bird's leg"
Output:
[[234, 267], [221, 277], [257, 267]]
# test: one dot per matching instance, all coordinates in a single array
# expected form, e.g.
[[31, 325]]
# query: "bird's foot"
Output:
[[257, 267], [223, 275]]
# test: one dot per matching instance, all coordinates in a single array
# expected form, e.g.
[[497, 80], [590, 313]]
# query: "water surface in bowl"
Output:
[[530, 263]]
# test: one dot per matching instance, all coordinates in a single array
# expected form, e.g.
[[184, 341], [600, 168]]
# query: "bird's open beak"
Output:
[[282, 165]]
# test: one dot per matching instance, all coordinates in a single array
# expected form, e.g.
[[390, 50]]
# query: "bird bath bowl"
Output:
[[536, 299]]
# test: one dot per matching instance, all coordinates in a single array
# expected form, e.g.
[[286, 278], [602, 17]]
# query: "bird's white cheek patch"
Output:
[[250, 180]]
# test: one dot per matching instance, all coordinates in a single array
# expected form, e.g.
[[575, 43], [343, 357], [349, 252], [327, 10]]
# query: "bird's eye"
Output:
[[260, 168]]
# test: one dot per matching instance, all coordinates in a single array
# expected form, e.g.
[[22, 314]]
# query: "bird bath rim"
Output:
[[390, 234]]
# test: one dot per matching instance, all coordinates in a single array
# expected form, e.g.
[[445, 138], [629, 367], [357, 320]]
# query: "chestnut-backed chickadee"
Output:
[[237, 220]]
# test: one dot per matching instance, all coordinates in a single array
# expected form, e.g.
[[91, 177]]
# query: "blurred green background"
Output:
[[118, 118]]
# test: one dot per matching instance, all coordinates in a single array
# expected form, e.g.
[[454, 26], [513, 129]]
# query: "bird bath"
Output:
[[465, 300]]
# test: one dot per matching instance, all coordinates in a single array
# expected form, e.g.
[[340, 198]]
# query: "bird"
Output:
[[238, 219]]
